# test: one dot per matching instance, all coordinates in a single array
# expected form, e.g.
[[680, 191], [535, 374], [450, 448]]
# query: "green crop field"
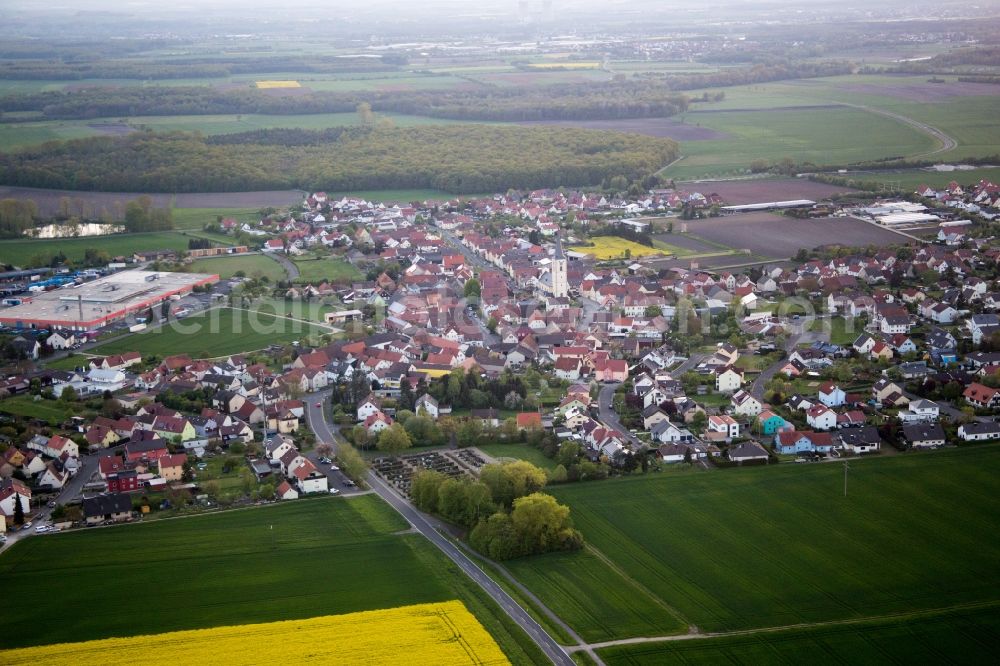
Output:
[[970, 120], [521, 452], [326, 269], [19, 252], [70, 362], [967, 637], [218, 332], [251, 265], [593, 599], [821, 136], [297, 560], [771, 547]]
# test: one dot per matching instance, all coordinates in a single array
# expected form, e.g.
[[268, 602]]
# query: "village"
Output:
[[487, 330]]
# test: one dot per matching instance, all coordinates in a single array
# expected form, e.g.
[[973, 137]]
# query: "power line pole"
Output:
[[847, 466]]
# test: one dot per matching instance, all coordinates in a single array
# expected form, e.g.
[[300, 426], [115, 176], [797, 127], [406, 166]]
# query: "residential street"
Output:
[[605, 405], [325, 432]]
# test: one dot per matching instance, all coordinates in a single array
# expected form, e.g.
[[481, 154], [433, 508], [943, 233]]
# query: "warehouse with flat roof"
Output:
[[91, 305]]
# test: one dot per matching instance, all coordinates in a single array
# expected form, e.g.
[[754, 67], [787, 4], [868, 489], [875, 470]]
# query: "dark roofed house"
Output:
[[860, 440], [108, 506], [924, 436]]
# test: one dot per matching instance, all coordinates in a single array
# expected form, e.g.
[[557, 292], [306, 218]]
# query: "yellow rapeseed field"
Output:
[[613, 247], [278, 84], [443, 633]]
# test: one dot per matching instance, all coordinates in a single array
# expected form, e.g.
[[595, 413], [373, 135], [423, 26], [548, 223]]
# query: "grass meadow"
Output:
[[20, 251], [290, 561], [218, 332], [323, 268], [250, 264], [53, 412], [520, 452]]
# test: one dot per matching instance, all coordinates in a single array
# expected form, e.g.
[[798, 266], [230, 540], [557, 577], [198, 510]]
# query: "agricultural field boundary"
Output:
[[915, 615]]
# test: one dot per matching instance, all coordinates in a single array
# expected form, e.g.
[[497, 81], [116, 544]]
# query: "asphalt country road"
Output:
[[325, 433]]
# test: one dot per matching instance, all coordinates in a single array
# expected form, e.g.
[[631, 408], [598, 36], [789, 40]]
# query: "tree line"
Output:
[[622, 99], [506, 510], [19, 215], [449, 158]]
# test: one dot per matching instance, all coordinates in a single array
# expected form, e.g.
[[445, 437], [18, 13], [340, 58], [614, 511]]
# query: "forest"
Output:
[[458, 158], [651, 96]]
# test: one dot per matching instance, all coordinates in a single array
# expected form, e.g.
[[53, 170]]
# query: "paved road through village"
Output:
[[325, 432]]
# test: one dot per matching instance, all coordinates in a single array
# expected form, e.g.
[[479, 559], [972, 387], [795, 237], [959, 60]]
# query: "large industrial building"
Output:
[[91, 305]]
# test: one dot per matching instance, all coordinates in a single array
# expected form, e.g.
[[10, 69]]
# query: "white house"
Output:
[[860, 440], [979, 431], [747, 451], [10, 490], [725, 424], [376, 423], [106, 380], [821, 417], [309, 479], [667, 432], [368, 407], [831, 395], [285, 491], [745, 404], [52, 477], [920, 411], [728, 379], [60, 340], [277, 447], [982, 325], [892, 324], [427, 406], [924, 436]]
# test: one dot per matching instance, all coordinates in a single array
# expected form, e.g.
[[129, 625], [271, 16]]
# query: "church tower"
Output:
[[560, 283]]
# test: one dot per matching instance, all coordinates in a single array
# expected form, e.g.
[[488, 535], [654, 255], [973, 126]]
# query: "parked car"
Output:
[[334, 491]]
